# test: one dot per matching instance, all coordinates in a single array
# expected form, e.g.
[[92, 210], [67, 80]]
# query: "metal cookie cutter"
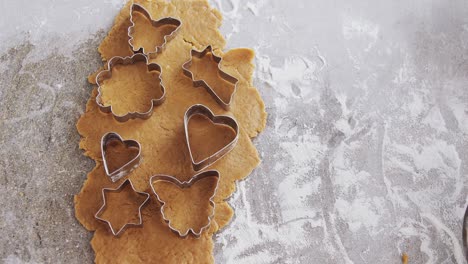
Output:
[[200, 109], [465, 233], [107, 74], [184, 185], [103, 207], [197, 83], [127, 167], [156, 23]]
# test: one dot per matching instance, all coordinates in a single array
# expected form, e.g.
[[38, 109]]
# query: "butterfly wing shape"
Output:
[[187, 207]]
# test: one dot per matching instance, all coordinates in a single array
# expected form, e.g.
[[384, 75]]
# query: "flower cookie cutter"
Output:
[[200, 109], [201, 83], [184, 185], [104, 205], [124, 170], [165, 21], [107, 74]]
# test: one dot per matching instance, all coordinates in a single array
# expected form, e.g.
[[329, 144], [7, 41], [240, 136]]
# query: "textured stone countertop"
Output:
[[365, 155]]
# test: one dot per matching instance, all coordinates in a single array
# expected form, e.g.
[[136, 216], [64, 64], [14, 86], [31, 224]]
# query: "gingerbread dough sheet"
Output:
[[162, 138]]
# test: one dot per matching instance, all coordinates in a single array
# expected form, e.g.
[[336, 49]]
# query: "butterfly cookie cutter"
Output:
[[128, 167], [165, 21], [107, 74], [201, 83], [183, 185], [200, 109], [104, 205]]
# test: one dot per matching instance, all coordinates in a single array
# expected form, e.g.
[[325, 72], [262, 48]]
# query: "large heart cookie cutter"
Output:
[[107, 74], [197, 83], [183, 185], [156, 23], [128, 167], [200, 109]]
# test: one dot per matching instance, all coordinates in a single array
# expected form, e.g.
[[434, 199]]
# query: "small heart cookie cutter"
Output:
[[197, 83], [127, 167], [183, 185], [104, 205], [200, 109], [107, 74], [156, 23]]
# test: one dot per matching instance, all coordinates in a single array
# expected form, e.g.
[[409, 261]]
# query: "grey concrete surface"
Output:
[[364, 156]]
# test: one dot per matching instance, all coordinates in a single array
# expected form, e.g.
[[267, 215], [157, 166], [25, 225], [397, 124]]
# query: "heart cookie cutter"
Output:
[[127, 167], [201, 83], [200, 109], [104, 205], [184, 185], [107, 74], [165, 21]]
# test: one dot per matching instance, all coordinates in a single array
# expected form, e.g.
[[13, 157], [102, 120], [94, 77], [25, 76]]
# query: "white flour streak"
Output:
[[294, 79], [435, 120], [252, 8], [458, 252], [304, 149], [436, 155], [361, 212], [359, 28], [460, 110]]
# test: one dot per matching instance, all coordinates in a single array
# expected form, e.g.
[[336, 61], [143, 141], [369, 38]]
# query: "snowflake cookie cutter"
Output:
[[165, 21], [184, 185], [200, 109], [107, 74], [128, 167], [104, 205], [201, 83]]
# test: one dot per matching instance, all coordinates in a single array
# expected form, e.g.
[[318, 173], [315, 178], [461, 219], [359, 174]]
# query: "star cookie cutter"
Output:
[[128, 167], [200, 109], [107, 74], [201, 83], [184, 185], [155, 23], [104, 205]]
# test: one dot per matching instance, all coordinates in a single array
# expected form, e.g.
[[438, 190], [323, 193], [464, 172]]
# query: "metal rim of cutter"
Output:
[[465, 233], [156, 23], [107, 74], [184, 185], [200, 109], [104, 205], [126, 168], [201, 83]]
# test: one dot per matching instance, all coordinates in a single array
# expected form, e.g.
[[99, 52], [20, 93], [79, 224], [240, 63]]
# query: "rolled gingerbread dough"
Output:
[[162, 138]]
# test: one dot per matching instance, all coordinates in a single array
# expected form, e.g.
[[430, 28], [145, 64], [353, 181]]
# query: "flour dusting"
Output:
[[364, 156]]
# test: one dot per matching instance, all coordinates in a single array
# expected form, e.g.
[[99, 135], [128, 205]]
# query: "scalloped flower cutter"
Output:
[[184, 185], [107, 74], [201, 83], [165, 21], [104, 205], [128, 167], [200, 109]]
